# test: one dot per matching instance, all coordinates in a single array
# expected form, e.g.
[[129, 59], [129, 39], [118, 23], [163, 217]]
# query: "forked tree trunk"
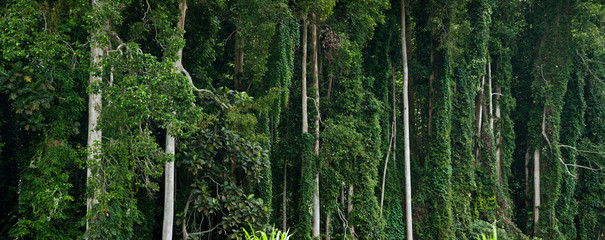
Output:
[[94, 109], [406, 129]]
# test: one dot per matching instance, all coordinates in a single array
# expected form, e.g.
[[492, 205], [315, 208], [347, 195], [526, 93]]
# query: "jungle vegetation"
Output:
[[308, 119]]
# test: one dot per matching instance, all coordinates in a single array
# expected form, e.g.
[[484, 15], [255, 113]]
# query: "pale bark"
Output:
[[406, 129], [384, 172], [491, 97], [94, 110], [327, 231], [492, 120], [480, 117], [349, 209], [169, 182], [305, 118], [169, 171], [498, 135], [536, 188], [239, 66], [316, 204], [285, 199]]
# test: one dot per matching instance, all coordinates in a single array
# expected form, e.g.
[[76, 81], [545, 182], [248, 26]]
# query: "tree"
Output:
[[94, 102], [406, 128]]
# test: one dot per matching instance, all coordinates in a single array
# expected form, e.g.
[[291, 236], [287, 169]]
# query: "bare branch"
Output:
[[544, 128], [578, 150], [588, 68], [316, 107]]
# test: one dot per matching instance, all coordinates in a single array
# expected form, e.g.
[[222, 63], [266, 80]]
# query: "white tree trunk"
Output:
[[406, 130], [480, 117], [316, 205], [536, 187], [169, 171], [305, 116], [94, 109], [169, 183]]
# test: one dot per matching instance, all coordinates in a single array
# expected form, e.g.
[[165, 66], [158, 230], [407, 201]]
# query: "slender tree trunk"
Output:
[[406, 128], [316, 205], [239, 66], [480, 102], [411, 96], [527, 158], [491, 96], [94, 108], [349, 209], [305, 116], [392, 142], [384, 172], [536, 189], [169, 187], [327, 233], [285, 199], [169, 171]]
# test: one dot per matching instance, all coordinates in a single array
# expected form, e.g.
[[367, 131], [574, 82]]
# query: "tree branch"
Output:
[[588, 68]]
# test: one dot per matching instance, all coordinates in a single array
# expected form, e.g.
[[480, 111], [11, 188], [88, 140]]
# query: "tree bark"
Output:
[[94, 109], [384, 173], [479, 107], [316, 204], [239, 66], [406, 128], [349, 209], [536, 189], [169, 171], [169, 188], [327, 233], [305, 116], [285, 199]]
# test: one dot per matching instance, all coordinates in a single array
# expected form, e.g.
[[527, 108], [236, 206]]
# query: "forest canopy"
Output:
[[324, 119]]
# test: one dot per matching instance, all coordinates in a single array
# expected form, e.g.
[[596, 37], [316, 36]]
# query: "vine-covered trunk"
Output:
[[169, 170], [94, 110], [316, 205]]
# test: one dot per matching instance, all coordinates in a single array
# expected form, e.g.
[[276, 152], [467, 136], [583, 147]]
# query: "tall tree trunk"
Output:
[[406, 128], [536, 189], [169, 187], [349, 209], [392, 143], [305, 116], [316, 211], [492, 120], [169, 171], [239, 65], [94, 108], [479, 107], [327, 233], [285, 199]]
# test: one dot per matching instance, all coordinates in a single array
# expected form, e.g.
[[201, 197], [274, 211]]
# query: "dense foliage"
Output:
[[506, 105]]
